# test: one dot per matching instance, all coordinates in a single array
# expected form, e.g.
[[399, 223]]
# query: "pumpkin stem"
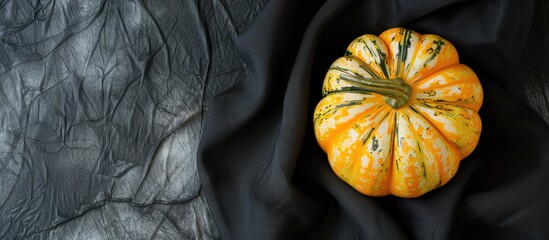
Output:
[[396, 91]]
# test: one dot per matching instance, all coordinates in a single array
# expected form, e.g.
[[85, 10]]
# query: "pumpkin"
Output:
[[398, 113]]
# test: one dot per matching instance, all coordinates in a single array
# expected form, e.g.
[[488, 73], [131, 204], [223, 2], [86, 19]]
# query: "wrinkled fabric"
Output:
[[101, 112], [265, 177]]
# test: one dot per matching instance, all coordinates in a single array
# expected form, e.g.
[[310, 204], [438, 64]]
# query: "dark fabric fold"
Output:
[[266, 178]]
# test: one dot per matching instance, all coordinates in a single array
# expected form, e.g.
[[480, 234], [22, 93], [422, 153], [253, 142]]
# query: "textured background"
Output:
[[101, 110], [531, 83]]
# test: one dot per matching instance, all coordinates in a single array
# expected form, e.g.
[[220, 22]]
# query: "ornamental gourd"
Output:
[[398, 113]]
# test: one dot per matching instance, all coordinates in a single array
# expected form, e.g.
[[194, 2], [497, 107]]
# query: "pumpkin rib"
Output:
[[403, 183], [351, 172], [404, 45], [392, 155], [472, 81], [446, 175], [435, 126], [432, 173], [442, 48], [421, 158], [376, 108], [339, 106], [397, 59], [349, 122], [441, 71], [357, 175], [415, 53], [396, 166], [377, 56], [440, 170], [372, 160], [452, 144], [363, 65], [338, 138]]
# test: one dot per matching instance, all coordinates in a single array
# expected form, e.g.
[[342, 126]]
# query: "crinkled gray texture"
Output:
[[101, 110]]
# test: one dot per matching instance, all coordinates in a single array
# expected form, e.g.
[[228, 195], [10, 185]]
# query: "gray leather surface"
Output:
[[101, 109]]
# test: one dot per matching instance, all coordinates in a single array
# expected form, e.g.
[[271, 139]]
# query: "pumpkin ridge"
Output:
[[376, 109], [364, 66], [403, 47], [360, 45], [451, 144], [342, 105], [442, 48], [423, 79], [397, 59], [395, 160], [425, 177], [338, 138], [363, 147], [452, 148], [473, 82], [349, 122], [441, 172], [390, 158], [420, 158], [412, 59]]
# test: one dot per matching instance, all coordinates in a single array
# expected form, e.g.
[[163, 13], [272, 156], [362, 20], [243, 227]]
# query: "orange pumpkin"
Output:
[[398, 113]]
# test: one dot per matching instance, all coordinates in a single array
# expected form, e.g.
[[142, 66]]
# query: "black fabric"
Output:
[[265, 177]]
